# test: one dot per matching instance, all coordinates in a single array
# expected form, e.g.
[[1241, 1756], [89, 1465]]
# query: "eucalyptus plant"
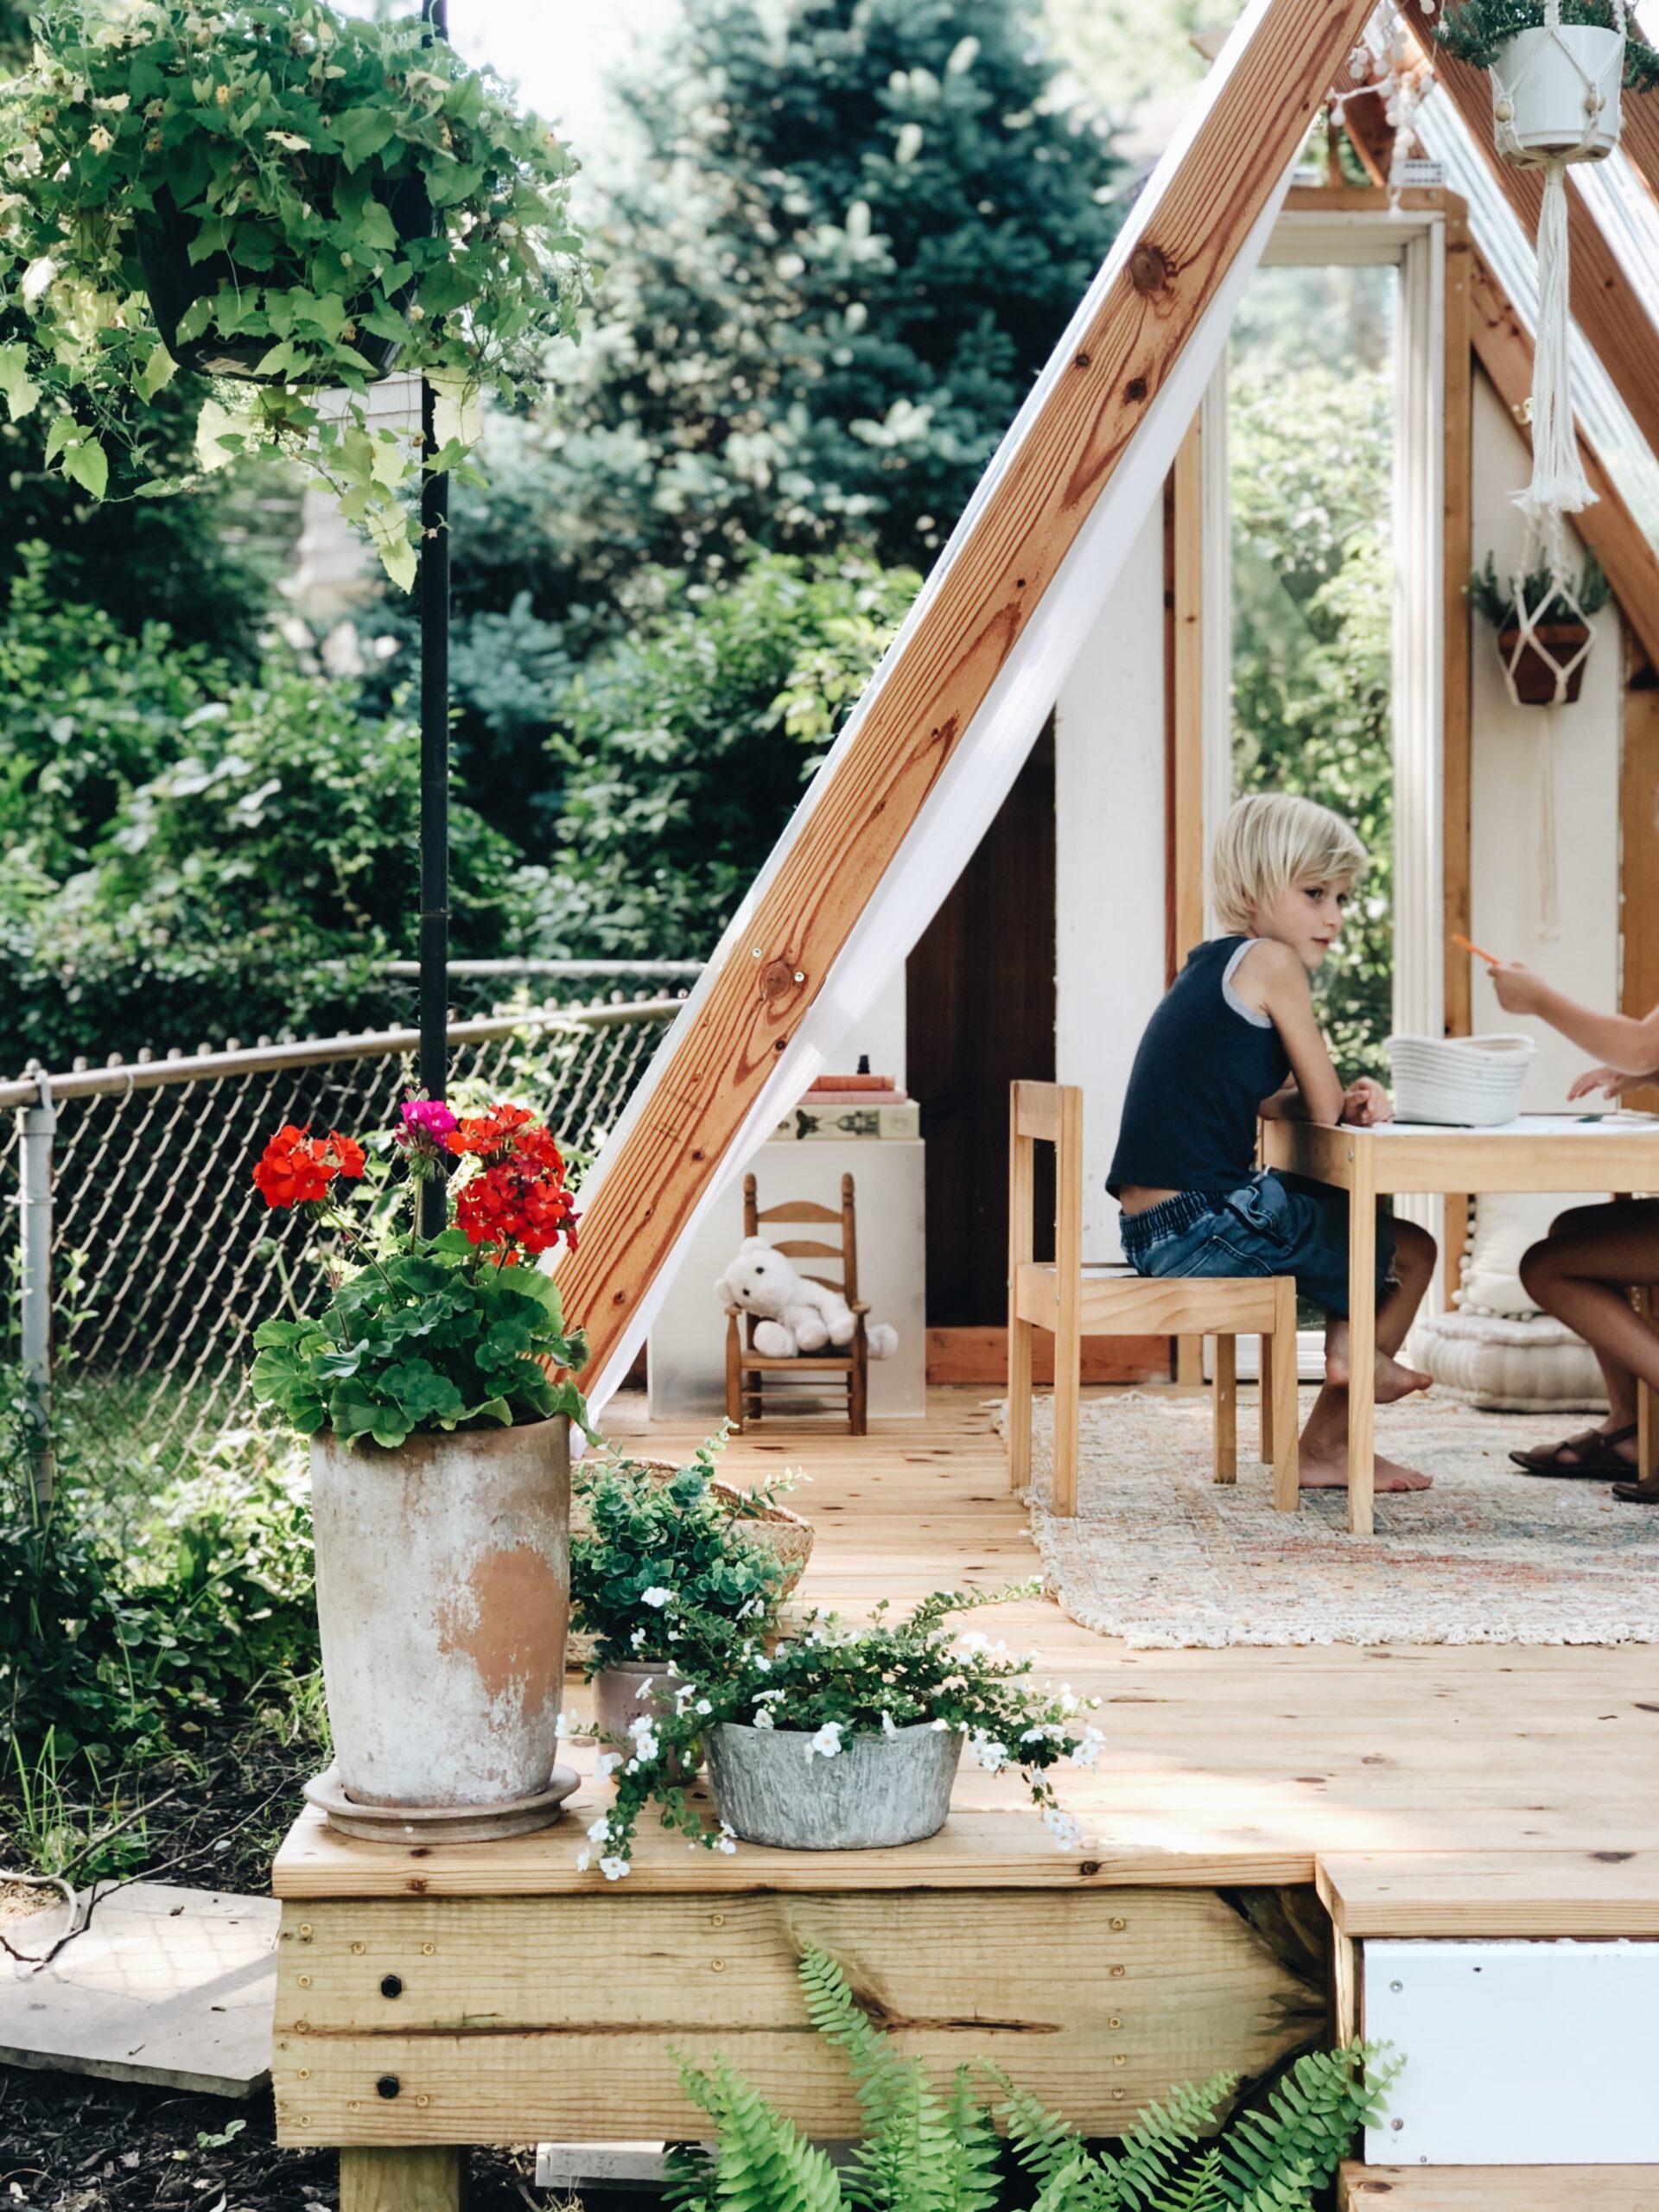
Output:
[[829, 1682], [285, 199], [1476, 31]]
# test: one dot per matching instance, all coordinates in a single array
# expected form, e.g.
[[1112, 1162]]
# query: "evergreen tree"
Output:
[[849, 238]]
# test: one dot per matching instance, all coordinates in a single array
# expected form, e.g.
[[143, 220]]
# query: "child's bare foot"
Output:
[[1320, 1471], [1394, 1380]]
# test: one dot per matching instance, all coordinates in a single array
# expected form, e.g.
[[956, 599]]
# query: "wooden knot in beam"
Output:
[[778, 978], [1149, 270]]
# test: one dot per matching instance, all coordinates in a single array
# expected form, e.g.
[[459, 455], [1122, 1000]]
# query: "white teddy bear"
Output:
[[794, 1314]]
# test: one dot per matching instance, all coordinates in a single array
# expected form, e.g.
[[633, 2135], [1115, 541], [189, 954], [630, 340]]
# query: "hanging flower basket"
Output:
[[287, 197], [1555, 94], [1542, 626], [1546, 668]]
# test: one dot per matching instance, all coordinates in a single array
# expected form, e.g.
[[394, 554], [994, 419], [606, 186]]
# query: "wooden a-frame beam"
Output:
[[1639, 137], [1177, 245], [1606, 304], [1503, 346]]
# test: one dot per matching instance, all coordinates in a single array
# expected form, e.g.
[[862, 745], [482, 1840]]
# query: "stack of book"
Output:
[[859, 1105]]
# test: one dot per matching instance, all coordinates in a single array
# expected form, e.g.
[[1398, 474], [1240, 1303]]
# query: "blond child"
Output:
[[1582, 1271], [1237, 1037]]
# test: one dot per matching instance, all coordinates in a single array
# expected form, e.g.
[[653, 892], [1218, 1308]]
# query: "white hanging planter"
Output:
[[1555, 94]]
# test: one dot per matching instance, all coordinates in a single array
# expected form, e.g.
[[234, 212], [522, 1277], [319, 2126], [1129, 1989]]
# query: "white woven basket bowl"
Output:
[[1468, 1082]]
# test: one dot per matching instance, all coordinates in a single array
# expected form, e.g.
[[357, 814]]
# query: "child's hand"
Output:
[[1611, 1082], [1365, 1102], [1520, 990]]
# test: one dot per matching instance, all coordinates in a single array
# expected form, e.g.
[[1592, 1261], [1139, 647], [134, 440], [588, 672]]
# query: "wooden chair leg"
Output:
[[858, 1383], [1265, 1369], [1019, 1337], [733, 1374], [1068, 1389], [1646, 1431], [1225, 1410], [1279, 1382]]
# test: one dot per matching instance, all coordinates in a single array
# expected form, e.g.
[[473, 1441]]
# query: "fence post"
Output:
[[37, 1126]]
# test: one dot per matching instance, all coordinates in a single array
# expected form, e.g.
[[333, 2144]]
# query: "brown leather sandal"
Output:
[[1638, 1493], [1597, 1461]]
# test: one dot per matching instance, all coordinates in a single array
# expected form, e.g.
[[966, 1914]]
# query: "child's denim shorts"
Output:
[[1272, 1225]]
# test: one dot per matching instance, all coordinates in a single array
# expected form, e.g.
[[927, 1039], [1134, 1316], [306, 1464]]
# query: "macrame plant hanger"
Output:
[[1559, 487]]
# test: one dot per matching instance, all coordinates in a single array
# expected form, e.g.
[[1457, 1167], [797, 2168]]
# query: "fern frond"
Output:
[[766, 2164], [908, 2165], [1161, 2138], [689, 2179], [1282, 2155], [879, 2076], [1075, 2185], [1200, 2188], [975, 2153], [1042, 2142]]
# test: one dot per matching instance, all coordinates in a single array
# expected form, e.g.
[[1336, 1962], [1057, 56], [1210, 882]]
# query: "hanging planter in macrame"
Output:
[[1555, 93]]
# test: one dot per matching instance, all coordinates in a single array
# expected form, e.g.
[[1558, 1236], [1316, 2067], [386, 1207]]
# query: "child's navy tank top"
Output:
[[1204, 1065]]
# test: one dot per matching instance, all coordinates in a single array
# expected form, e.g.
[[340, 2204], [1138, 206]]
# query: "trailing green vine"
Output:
[[285, 200]]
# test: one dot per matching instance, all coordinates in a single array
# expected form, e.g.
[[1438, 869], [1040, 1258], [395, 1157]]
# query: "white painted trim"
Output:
[[1216, 620], [1516, 2054], [988, 757]]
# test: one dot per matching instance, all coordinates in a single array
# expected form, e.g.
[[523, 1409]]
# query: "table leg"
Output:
[[424, 2180], [1279, 1390], [1362, 1343]]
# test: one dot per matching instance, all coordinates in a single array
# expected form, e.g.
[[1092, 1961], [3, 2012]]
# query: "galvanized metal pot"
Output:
[[876, 1790], [443, 1595]]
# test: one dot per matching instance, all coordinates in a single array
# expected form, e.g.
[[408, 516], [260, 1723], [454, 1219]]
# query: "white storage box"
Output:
[[1467, 1081]]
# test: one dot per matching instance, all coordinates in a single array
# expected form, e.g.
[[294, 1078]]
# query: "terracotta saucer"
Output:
[[439, 1823]]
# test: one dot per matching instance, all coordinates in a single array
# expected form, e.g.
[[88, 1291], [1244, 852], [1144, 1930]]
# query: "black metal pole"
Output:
[[434, 948]]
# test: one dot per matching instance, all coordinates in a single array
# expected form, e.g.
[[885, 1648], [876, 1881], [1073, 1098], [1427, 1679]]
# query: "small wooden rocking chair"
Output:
[[745, 1367]]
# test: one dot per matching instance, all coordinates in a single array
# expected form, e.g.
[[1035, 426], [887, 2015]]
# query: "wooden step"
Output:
[[1492, 1893], [1498, 2189]]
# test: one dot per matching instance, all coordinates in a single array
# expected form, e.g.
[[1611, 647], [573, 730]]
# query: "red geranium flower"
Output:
[[295, 1168], [519, 1199], [489, 1136]]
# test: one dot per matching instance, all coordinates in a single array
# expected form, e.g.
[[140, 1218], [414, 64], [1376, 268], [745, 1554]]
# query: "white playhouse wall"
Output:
[[1510, 760]]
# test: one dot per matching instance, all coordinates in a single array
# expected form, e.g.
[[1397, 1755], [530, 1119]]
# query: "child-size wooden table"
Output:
[[1597, 1155]]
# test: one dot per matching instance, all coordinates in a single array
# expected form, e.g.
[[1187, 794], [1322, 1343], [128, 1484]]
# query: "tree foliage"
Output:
[[843, 237], [689, 743]]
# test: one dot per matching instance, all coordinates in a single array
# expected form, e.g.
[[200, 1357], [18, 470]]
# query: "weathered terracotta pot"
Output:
[[443, 1595], [877, 1791], [1534, 679]]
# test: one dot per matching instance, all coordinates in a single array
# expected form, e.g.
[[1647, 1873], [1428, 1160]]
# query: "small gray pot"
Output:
[[619, 1696], [876, 1790]]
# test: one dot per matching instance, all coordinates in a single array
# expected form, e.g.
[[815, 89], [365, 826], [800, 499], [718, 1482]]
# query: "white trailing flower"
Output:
[[584, 1860], [1090, 1744], [644, 1737], [728, 1839], [601, 1831], [656, 1596], [763, 1718], [637, 1639], [1064, 1830], [939, 1727], [763, 1663], [613, 1868], [562, 1727], [703, 1705], [887, 1727], [991, 1755], [827, 1742], [975, 1642], [606, 1765]]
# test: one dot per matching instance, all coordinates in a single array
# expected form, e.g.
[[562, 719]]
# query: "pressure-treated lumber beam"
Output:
[[1504, 347], [1606, 304], [1178, 246], [1639, 137]]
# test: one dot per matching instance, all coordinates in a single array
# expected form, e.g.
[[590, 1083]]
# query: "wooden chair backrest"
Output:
[[810, 1248], [1046, 1113]]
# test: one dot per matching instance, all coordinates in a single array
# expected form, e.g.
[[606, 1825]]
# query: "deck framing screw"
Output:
[[388, 2085]]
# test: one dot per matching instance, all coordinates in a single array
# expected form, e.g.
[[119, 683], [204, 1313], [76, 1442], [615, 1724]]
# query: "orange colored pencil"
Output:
[[1478, 949]]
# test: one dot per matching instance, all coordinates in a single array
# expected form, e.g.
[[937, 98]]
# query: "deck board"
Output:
[[1240, 1766]]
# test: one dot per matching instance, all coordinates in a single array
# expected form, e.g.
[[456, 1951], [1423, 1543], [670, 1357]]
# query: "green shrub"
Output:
[[926, 2150]]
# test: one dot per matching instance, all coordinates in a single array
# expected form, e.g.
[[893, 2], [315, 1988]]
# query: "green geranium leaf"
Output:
[[423, 1394], [363, 131]]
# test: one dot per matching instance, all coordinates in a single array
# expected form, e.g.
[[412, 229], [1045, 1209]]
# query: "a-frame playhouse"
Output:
[[1274, 1838]]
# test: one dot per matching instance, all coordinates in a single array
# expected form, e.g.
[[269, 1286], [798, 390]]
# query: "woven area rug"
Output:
[[1163, 1557]]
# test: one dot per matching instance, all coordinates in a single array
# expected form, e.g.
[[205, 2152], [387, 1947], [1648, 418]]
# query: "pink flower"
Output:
[[427, 1117]]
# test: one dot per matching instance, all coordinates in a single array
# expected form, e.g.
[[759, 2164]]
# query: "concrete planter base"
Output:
[[443, 1594], [877, 1791]]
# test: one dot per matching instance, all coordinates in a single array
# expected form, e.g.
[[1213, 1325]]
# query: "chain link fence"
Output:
[[163, 1256]]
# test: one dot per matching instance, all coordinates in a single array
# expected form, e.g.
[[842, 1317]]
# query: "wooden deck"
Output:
[[1452, 1791]]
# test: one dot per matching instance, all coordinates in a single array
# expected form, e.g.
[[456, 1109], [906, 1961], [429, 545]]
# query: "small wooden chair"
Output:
[[745, 1367], [1073, 1301]]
